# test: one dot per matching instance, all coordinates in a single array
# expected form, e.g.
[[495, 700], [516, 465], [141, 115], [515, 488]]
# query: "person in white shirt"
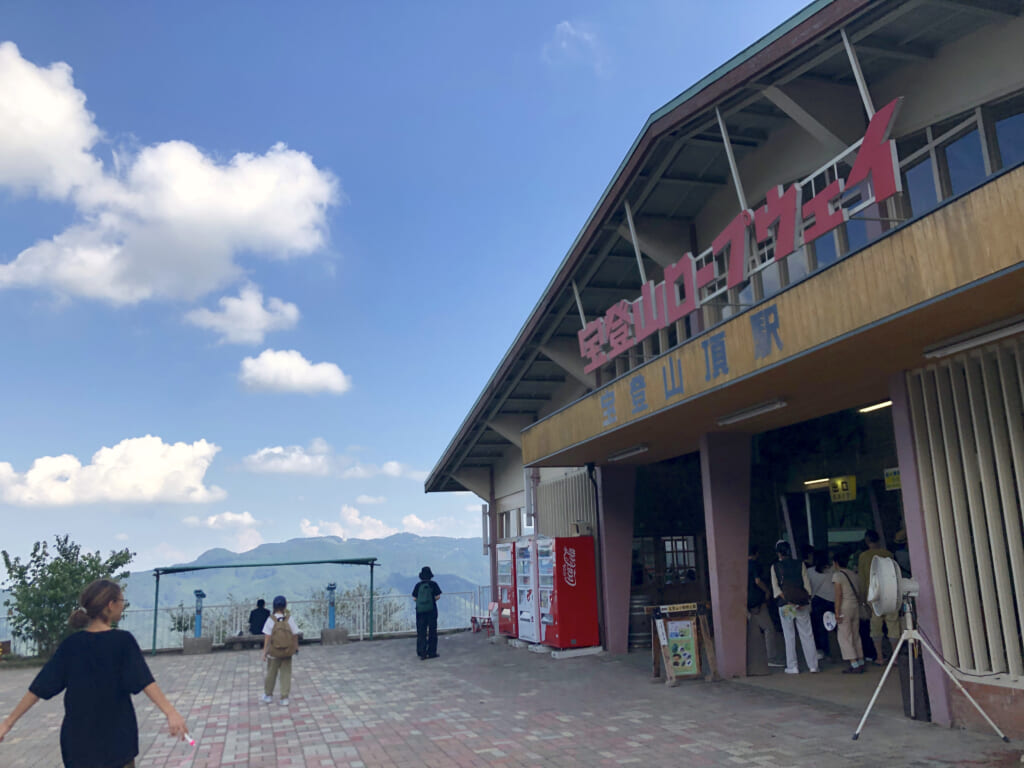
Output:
[[792, 592], [819, 574]]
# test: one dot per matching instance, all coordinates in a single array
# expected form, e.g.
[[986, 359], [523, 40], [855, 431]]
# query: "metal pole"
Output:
[[330, 604], [636, 244], [862, 86], [371, 601], [156, 605], [732, 161]]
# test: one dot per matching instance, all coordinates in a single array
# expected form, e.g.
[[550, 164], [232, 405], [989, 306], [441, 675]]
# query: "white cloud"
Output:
[[244, 320], [352, 524], [140, 469], [167, 221], [121, 536], [361, 471], [413, 524], [573, 43], [364, 499], [289, 371], [292, 460], [473, 507], [46, 134], [241, 527]]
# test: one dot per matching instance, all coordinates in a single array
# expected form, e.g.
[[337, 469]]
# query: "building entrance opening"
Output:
[[669, 546]]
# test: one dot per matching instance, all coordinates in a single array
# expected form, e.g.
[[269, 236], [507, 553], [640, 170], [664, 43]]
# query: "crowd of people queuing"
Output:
[[819, 600]]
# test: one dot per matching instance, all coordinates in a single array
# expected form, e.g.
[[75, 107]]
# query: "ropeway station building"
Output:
[[797, 310]]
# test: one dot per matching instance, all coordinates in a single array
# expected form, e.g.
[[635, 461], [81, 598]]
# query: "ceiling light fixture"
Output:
[[751, 412], [875, 407], [982, 336], [626, 453], [819, 481]]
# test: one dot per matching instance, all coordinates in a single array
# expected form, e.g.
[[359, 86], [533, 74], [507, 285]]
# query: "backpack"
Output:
[[790, 577], [425, 597], [282, 639]]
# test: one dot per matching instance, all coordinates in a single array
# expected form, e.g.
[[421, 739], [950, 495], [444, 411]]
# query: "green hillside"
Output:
[[458, 565]]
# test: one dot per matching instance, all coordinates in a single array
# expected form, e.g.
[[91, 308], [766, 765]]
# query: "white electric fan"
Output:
[[889, 592]]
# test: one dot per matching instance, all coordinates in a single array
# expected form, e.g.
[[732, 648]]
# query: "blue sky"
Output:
[[257, 261]]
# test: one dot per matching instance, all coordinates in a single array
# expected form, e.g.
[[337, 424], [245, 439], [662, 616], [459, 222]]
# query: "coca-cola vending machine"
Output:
[[526, 592], [567, 591], [508, 621]]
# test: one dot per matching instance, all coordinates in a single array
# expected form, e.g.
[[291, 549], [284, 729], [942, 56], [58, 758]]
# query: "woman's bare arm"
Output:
[[23, 706], [175, 722]]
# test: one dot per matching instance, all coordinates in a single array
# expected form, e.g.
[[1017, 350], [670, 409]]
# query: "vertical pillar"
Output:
[[492, 536], [725, 477], [615, 503], [920, 557], [330, 604], [199, 611]]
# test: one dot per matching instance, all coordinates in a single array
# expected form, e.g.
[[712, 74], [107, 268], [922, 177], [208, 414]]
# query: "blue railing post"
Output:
[[330, 604], [199, 611]]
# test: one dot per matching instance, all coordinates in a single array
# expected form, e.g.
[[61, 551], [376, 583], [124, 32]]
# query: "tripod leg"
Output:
[[878, 688], [964, 690]]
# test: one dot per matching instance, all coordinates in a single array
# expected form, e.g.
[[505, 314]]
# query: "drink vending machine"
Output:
[[526, 593], [566, 591], [508, 621]]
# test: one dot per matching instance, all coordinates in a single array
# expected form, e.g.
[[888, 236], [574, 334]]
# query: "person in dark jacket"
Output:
[[426, 593], [98, 669], [258, 617]]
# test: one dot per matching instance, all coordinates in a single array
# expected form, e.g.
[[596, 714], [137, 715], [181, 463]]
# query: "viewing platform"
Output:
[[375, 705]]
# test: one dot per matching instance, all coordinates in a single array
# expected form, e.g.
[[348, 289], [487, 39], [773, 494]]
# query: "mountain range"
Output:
[[458, 566]]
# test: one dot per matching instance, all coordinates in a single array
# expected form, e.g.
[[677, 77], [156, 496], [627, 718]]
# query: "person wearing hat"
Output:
[[425, 593], [280, 660]]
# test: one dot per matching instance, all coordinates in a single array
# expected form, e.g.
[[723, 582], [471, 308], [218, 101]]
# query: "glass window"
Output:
[[857, 233], [771, 280], [825, 251], [1010, 136], [796, 265], [966, 162], [919, 183]]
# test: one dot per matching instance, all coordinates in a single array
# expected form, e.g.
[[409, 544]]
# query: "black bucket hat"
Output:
[[426, 573]]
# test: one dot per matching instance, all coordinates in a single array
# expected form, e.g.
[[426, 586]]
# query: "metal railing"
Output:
[[392, 615]]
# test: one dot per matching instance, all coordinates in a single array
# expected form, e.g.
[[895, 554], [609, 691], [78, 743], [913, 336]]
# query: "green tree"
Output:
[[45, 589]]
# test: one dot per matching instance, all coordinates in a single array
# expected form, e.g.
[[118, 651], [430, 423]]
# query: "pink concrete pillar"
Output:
[[725, 477], [920, 560], [616, 499]]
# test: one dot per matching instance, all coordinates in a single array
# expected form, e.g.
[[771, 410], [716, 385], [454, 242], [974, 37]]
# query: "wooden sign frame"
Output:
[[704, 659]]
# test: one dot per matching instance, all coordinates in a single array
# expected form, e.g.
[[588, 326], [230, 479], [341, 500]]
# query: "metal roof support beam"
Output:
[[805, 120], [511, 428], [566, 355], [732, 161], [579, 305], [636, 242], [862, 85], [965, 6]]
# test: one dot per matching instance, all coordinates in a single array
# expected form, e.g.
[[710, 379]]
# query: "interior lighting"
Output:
[[636, 450], [875, 407], [819, 481], [751, 412], [984, 336]]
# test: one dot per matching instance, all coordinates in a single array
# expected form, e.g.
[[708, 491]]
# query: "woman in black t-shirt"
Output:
[[99, 669]]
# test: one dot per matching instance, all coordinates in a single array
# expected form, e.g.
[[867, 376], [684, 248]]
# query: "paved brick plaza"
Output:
[[375, 705]]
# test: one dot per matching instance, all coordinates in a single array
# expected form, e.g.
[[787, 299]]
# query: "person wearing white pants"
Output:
[[792, 591]]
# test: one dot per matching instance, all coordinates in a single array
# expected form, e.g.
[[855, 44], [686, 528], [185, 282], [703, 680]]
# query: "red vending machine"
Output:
[[508, 621], [567, 591]]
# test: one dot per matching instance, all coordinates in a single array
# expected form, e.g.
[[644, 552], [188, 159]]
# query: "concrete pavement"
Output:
[[375, 705]]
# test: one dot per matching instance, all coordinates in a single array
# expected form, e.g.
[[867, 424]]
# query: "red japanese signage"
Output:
[[873, 178]]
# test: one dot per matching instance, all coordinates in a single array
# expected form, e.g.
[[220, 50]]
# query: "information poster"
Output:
[[682, 646], [843, 488], [892, 479]]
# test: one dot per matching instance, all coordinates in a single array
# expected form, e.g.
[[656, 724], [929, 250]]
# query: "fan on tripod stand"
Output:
[[889, 591]]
